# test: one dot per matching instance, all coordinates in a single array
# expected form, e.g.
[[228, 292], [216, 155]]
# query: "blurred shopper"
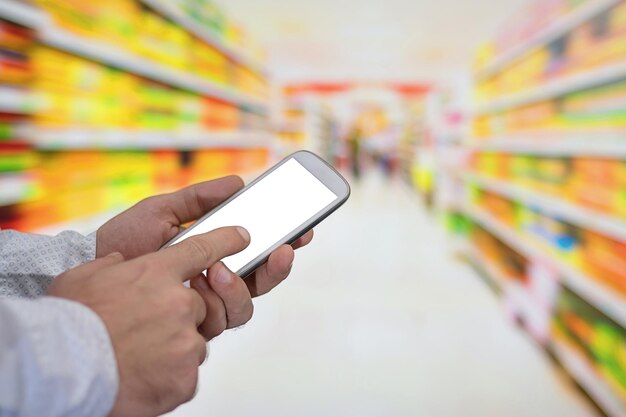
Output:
[[116, 332], [355, 138]]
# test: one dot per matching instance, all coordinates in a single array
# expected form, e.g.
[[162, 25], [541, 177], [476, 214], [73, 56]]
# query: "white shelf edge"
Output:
[[169, 11], [581, 216], [13, 100], [588, 379], [603, 298], [77, 139], [109, 54], [113, 56], [559, 28], [556, 88], [594, 144], [22, 14]]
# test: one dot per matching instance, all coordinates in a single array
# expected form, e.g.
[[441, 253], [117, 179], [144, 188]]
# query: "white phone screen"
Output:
[[269, 210]]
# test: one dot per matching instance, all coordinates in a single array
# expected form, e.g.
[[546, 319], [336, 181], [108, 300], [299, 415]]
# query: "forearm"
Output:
[[56, 359], [29, 263]]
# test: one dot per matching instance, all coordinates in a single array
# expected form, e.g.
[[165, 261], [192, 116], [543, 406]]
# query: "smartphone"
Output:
[[277, 208]]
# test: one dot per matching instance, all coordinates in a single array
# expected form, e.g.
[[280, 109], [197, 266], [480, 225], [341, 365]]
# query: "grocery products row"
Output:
[[565, 55], [599, 256], [137, 28], [89, 120], [593, 336], [595, 109], [73, 185], [595, 183], [586, 342]]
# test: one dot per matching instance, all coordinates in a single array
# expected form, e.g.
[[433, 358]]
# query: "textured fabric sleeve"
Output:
[[29, 262], [56, 359]]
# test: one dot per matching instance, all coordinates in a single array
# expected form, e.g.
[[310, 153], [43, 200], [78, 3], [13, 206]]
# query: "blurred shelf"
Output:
[[570, 212], [168, 10], [111, 55], [77, 139], [557, 88], [14, 189], [22, 14], [559, 28], [603, 298], [602, 144], [588, 379], [499, 279], [83, 225], [118, 58], [16, 101]]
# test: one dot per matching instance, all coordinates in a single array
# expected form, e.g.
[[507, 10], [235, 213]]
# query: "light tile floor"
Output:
[[378, 320]]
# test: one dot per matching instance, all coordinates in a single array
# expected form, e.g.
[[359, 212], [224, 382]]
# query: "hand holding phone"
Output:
[[277, 208]]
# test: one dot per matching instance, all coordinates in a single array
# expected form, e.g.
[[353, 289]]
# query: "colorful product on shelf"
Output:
[[535, 17], [83, 104], [589, 333], [100, 181], [135, 27], [595, 109], [509, 263], [600, 257], [595, 183], [566, 55]]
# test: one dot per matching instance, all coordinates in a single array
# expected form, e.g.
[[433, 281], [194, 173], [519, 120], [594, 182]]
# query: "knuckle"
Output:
[[201, 247], [180, 303]]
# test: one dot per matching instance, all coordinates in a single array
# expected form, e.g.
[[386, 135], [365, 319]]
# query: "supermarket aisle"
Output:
[[378, 321]]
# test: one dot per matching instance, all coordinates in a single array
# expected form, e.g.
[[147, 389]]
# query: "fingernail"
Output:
[[114, 255], [244, 233], [223, 275]]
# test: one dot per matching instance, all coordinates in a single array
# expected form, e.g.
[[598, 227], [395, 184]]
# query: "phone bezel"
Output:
[[319, 168]]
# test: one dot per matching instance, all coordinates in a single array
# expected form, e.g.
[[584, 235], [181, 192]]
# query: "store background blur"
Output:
[[498, 127]]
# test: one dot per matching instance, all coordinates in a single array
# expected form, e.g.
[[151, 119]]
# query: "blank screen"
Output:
[[269, 210]]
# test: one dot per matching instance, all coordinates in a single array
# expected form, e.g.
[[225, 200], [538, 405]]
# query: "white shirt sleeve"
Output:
[[29, 263], [56, 359]]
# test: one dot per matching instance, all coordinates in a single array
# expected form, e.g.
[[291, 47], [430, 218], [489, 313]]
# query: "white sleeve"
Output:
[[29, 263], [56, 359]]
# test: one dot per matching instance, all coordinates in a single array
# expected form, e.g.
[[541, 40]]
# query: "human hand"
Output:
[[152, 222], [153, 320]]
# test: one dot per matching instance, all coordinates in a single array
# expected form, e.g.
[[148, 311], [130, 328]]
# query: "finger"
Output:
[[192, 256], [199, 307], [203, 352], [194, 201], [233, 292], [215, 321], [271, 273], [100, 263], [304, 240]]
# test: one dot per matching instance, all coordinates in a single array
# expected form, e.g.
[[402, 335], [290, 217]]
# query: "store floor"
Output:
[[378, 320]]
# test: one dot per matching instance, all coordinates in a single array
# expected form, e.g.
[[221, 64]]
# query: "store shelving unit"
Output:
[[598, 144], [78, 139], [224, 120], [566, 24], [539, 128], [557, 88], [572, 213], [114, 56], [170, 11], [587, 377], [595, 293]]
